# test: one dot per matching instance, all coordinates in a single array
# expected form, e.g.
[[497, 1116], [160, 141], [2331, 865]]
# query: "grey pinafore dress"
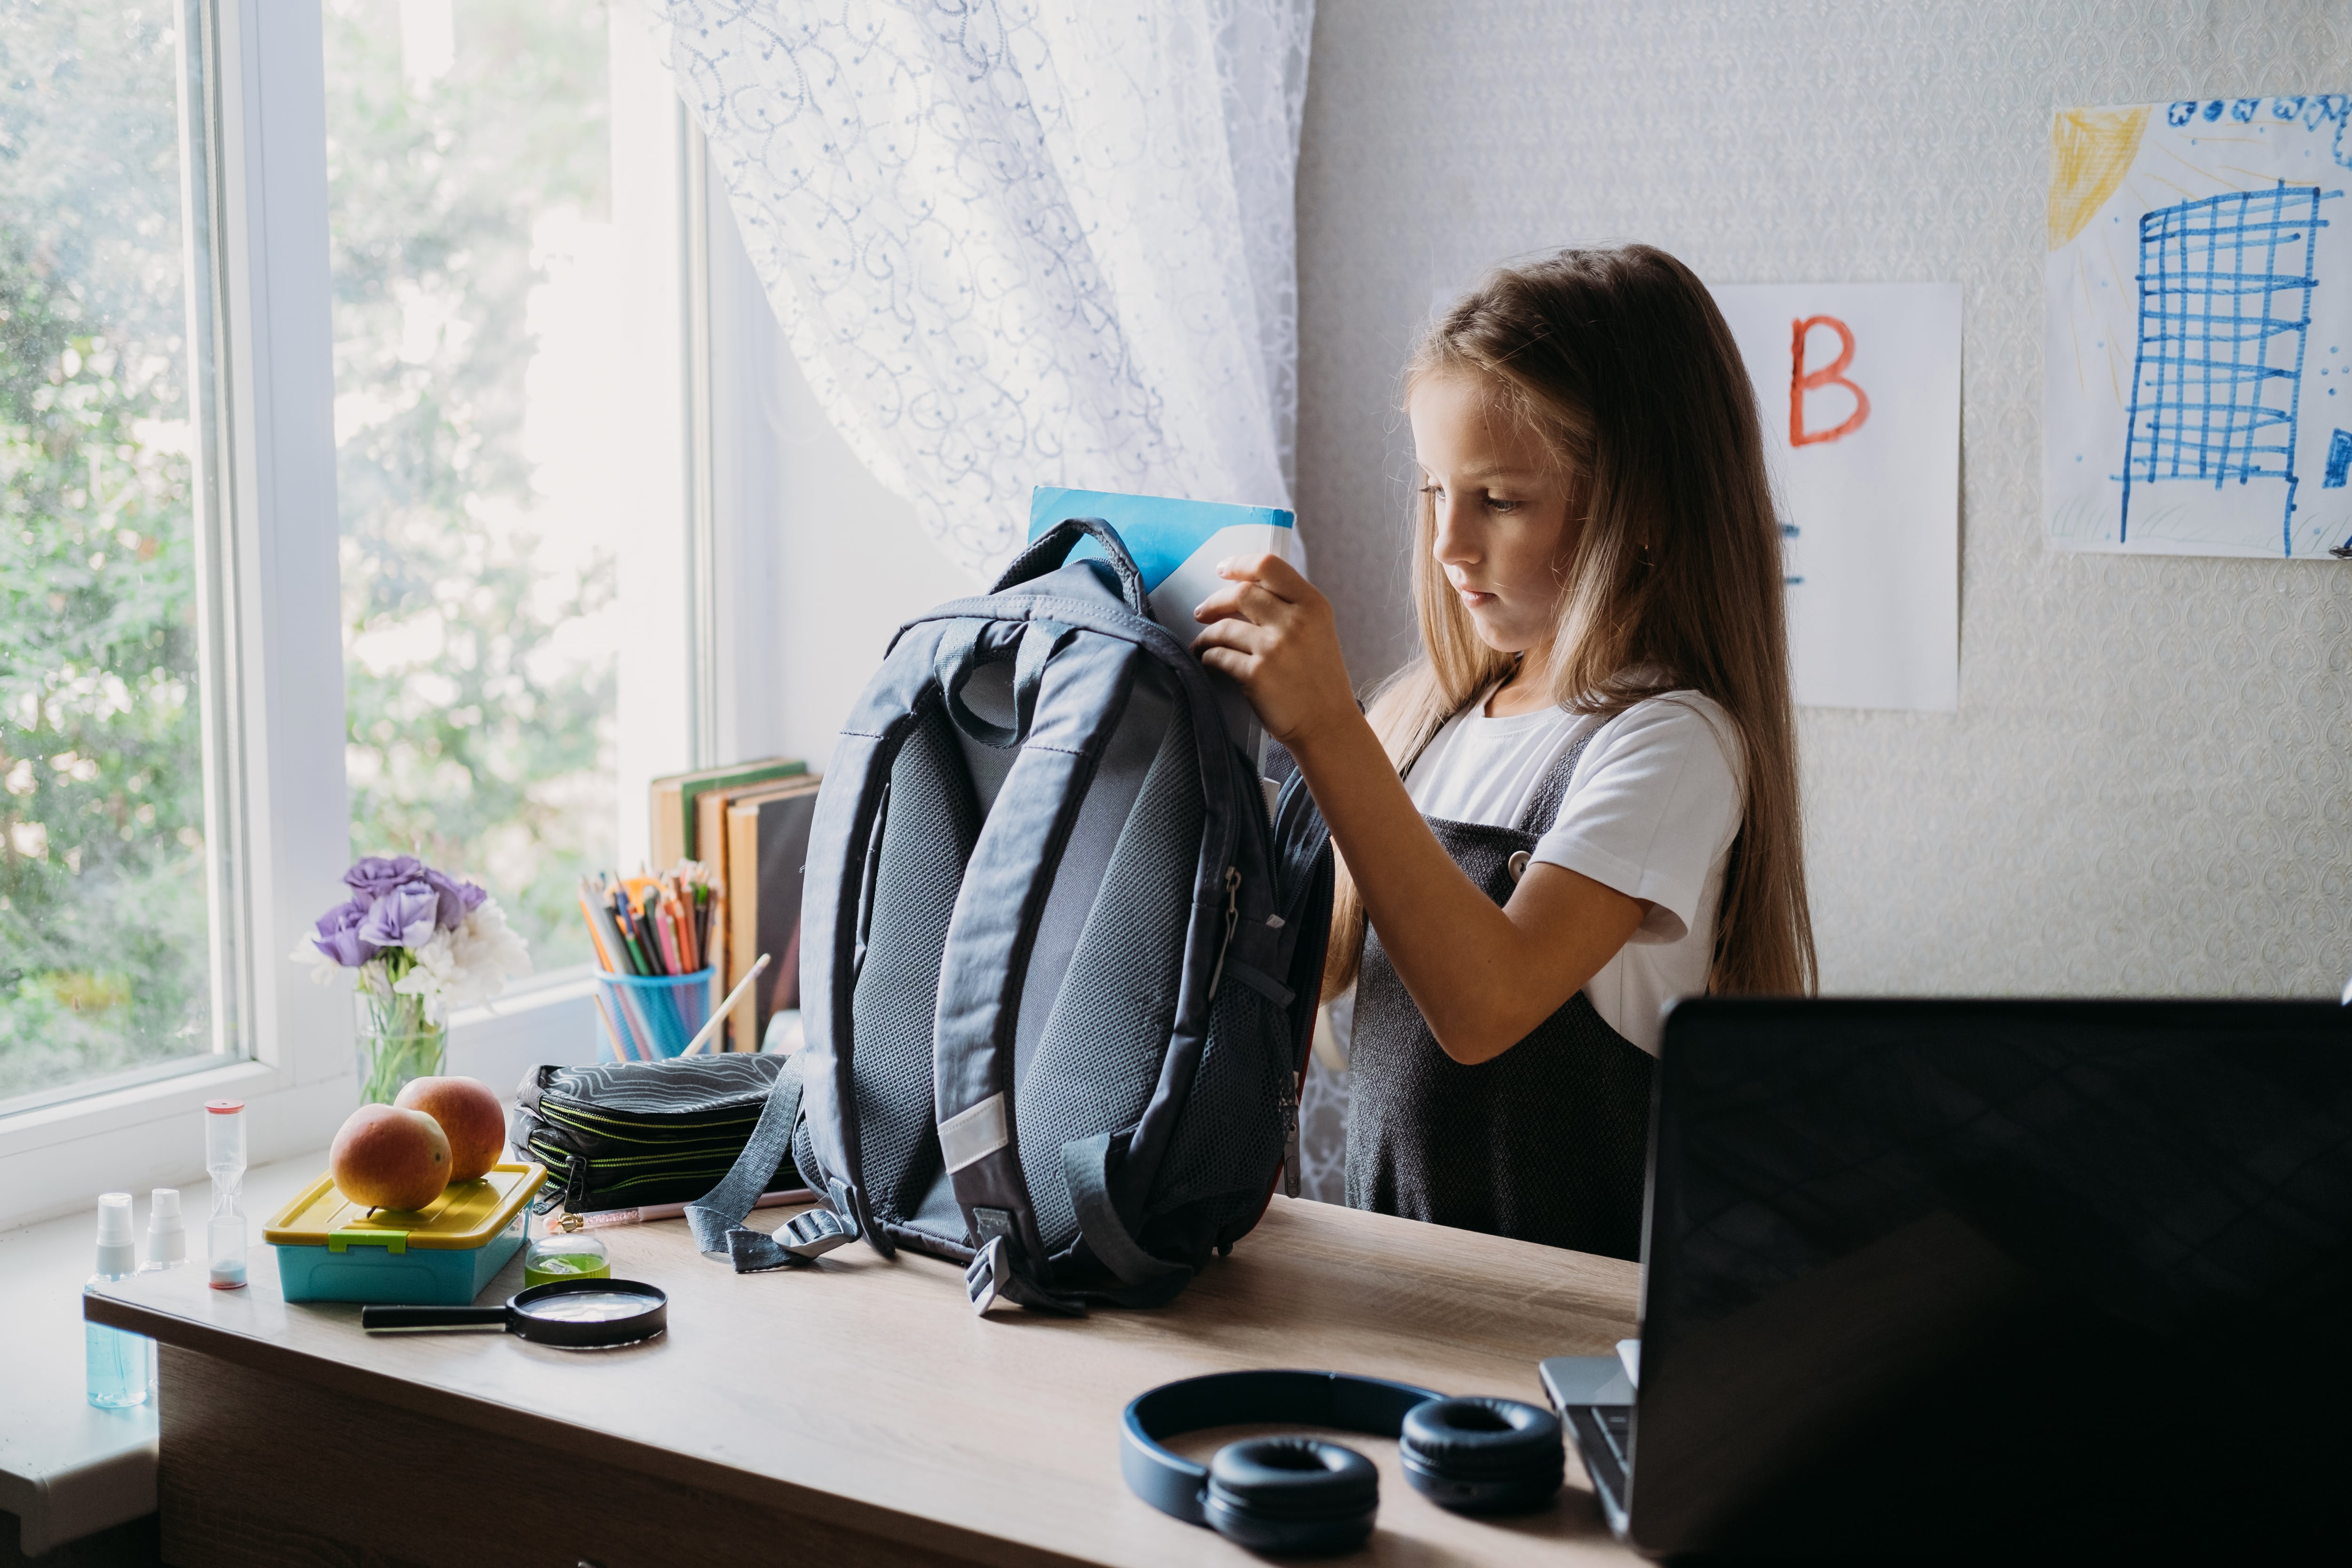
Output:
[[1548, 1142]]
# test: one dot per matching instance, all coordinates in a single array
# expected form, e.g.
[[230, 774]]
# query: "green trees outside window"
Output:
[[472, 259], [469, 172], [103, 961]]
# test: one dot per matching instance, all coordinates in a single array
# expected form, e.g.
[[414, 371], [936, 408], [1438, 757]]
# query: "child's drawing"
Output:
[[2198, 328], [1858, 388]]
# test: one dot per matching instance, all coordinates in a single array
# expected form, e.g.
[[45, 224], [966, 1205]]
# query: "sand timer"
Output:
[[225, 1163]]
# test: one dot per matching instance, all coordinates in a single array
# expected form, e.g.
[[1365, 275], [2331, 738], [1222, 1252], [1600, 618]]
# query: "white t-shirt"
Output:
[[1650, 811]]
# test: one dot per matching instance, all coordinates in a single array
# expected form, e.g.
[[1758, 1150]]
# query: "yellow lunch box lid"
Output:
[[466, 1215]]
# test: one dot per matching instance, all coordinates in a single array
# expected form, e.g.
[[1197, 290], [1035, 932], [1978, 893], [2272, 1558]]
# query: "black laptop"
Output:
[[1988, 1281]]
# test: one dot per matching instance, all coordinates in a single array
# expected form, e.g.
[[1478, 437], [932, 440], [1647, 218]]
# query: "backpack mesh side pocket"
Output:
[[931, 821], [1218, 1167]]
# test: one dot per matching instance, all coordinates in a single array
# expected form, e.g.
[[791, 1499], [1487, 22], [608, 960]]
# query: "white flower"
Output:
[[323, 969], [465, 967]]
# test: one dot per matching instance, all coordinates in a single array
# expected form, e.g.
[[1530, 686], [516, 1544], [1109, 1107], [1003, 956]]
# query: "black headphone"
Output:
[[1305, 1495]]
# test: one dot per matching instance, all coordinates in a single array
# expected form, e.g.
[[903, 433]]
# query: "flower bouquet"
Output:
[[423, 944]]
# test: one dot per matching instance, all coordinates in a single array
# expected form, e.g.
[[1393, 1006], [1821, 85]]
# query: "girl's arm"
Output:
[[1484, 978]]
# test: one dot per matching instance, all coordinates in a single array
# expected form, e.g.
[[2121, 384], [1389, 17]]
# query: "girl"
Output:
[[1581, 800]]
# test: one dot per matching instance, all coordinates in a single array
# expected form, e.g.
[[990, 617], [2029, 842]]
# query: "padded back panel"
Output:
[[1099, 1056], [927, 836]]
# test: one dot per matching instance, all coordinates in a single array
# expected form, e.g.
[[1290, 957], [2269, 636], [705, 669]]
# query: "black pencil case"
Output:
[[625, 1135]]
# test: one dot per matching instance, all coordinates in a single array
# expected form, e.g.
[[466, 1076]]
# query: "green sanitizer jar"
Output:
[[565, 1254]]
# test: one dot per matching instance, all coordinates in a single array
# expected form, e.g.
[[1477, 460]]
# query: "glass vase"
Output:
[[396, 1043]]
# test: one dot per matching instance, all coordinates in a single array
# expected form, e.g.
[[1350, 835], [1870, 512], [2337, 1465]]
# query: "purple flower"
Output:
[[457, 899], [401, 915], [371, 878], [339, 935]]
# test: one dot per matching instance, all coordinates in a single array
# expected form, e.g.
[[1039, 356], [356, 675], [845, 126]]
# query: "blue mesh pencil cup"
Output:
[[650, 1017]]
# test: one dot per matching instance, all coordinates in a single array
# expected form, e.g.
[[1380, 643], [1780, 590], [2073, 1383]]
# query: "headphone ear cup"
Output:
[[1292, 1495], [1483, 1456]]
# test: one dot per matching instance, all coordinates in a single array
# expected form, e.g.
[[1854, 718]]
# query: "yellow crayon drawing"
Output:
[[2090, 149]]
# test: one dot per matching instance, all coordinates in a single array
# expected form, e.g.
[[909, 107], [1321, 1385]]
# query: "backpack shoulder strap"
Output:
[[1084, 691], [848, 809], [718, 1216]]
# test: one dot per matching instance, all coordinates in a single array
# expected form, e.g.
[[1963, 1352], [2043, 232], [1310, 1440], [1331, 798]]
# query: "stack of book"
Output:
[[747, 824]]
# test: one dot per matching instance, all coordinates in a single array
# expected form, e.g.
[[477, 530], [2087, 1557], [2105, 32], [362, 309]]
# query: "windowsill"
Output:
[[136, 1077], [185, 1086], [181, 1093], [554, 1021], [54, 1157], [66, 1469], [574, 982]]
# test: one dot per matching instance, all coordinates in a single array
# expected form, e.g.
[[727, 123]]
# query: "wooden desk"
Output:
[[855, 1413]]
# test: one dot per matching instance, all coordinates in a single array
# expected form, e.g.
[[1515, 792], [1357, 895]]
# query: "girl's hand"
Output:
[[1273, 633]]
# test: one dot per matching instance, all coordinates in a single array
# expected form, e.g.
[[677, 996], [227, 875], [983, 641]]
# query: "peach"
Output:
[[468, 1113], [389, 1158]]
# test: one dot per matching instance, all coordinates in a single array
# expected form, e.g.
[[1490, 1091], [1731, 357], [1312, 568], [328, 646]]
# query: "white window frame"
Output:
[[278, 816], [269, 642]]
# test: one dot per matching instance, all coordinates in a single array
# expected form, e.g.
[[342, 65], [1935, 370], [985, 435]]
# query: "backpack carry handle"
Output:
[[1029, 644], [1053, 548]]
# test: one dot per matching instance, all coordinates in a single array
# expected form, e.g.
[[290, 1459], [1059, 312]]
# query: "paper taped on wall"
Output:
[[1858, 387], [2198, 328]]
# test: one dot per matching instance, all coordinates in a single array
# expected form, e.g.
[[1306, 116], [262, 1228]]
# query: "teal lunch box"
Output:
[[443, 1255]]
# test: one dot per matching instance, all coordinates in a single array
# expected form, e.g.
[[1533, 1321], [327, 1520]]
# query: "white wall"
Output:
[[843, 565], [2149, 786]]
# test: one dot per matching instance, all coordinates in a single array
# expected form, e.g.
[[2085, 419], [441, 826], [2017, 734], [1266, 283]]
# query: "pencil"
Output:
[[597, 1219]]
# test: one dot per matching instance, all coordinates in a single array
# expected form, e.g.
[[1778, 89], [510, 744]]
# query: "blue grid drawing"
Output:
[[2224, 312]]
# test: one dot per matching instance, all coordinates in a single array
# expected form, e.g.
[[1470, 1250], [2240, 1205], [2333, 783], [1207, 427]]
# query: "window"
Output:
[[478, 445], [247, 249], [167, 636], [105, 923]]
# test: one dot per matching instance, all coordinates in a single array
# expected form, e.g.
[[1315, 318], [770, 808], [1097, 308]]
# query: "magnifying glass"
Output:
[[571, 1314]]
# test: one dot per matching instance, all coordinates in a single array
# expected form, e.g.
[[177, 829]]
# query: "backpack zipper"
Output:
[[1290, 1174], [1233, 919]]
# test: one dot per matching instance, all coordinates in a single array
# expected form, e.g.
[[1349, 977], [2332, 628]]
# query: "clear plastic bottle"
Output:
[[167, 1248], [117, 1362], [225, 1163], [565, 1254]]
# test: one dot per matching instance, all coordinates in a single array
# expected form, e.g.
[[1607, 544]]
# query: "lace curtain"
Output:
[[1021, 242]]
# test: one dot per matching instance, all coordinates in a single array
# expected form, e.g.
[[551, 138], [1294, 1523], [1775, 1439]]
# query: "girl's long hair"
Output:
[[1617, 359]]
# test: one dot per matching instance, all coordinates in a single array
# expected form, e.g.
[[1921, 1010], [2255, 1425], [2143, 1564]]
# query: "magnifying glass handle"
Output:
[[432, 1320]]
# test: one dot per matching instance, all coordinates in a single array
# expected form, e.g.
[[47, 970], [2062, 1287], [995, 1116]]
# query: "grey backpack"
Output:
[[1057, 981]]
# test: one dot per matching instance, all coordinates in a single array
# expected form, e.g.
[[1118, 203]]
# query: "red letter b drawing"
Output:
[[1802, 381]]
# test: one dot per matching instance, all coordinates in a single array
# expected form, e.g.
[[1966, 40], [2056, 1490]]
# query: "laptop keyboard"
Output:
[[1617, 1425], [1594, 1398]]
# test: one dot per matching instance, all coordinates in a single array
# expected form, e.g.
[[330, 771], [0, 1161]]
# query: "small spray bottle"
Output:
[[116, 1361], [167, 1248], [225, 1163]]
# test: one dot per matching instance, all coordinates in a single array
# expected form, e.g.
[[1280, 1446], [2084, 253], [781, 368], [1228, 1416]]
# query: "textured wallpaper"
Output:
[[2148, 787]]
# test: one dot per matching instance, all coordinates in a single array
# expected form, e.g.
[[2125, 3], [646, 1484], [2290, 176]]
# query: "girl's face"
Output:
[[1504, 536]]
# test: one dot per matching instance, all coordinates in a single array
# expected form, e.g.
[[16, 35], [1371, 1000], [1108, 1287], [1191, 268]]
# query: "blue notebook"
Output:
[[1177, 545]]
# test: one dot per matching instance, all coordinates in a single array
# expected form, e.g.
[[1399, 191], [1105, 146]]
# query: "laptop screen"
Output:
[[1968, 1275]]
